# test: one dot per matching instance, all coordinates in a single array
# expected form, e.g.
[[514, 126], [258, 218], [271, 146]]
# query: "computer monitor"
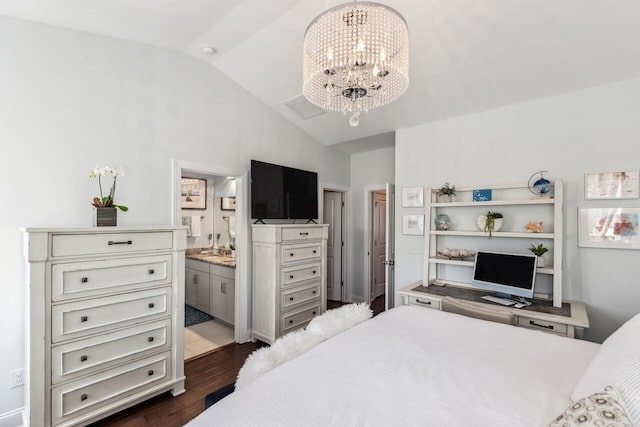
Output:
[[507, 274]]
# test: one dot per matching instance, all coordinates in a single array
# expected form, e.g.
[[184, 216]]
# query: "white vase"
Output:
[[445, 198], [541, 263], [233, 254], [482, 221]]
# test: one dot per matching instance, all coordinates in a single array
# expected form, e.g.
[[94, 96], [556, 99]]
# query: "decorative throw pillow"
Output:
[[599, 409], [617, 363], [339, 319]]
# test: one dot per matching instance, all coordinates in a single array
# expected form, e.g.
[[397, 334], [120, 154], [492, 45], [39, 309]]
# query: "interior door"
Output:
[[332, 207], [379, 240], [390, 250]]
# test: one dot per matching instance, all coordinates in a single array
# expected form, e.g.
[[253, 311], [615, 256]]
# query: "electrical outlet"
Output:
[[16, 378]]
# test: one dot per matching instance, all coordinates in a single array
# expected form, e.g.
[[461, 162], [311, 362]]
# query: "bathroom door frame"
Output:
[[242, 328]]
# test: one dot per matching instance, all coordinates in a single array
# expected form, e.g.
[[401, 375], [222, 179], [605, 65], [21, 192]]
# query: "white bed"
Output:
[[415, 366]]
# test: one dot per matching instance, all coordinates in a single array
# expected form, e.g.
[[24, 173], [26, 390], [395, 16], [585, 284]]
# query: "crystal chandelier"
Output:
[[356, 57]]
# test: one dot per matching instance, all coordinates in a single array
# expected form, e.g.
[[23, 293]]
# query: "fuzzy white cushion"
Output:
[[297, 342], [616, 363], [339, 319]]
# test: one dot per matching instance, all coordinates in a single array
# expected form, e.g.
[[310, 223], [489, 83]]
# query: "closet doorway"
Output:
[[333, 211]]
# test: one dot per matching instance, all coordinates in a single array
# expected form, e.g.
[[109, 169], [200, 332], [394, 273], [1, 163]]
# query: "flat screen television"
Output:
[[507, 274], [280, 192]]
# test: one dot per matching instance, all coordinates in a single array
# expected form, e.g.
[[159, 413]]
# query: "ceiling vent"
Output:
[[303, 107]]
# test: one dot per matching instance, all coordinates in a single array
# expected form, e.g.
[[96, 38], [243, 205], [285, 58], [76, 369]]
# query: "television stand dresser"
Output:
[[105, 320], [570, 320]]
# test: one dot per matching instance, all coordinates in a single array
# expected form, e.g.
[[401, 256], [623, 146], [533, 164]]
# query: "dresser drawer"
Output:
[[301, 233], [294, 275], [83, 357], [424, 302], [109, 243], [301, 295], [78, 279], [542, 325], [77, 319], [300, 252], [88, 394], [298, 319]]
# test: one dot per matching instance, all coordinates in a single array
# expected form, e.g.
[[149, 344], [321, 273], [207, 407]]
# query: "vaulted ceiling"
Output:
[[466, 55]]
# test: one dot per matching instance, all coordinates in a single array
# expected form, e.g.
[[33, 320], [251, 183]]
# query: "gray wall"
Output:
[[71, 101], [591, 130]]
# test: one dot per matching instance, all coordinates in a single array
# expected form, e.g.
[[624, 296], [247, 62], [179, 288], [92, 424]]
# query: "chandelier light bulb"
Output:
[[339, 75], [354, 120]]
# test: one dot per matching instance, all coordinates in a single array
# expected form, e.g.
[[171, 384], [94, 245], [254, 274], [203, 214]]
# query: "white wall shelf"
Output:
[[516, 198]]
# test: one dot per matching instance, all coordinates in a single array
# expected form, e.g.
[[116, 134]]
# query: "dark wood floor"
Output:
[[204, 375]]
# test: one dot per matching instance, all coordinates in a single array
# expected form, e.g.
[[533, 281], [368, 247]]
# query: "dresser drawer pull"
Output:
[[291, 277], [290, 298], [123, 242], [315, 252], [313, 312], [83, 358], [152, 271], [291, 321], [84, 280], [84, 319], [291, 254], [314, 272], [150, 339], [304, 233], [84, 397], [423, 302], [531, 322], [314, 292], [150, 372], [151, 305]]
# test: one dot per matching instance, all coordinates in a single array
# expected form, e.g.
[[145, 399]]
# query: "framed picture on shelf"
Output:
[[194, 193], [413, 225], [228, 204], [611, 185], [412, 197], [609, 227]]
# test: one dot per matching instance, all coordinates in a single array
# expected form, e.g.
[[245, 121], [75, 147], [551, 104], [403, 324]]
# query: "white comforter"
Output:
[[415, 366]]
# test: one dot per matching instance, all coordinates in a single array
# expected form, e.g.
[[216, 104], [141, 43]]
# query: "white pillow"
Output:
[[599, 409], [339, 319], [617, 363]]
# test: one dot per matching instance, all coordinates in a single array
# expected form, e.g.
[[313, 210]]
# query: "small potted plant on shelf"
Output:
[[446, 192], [106, 209], [233, 250], [538, 251], [490, 222]]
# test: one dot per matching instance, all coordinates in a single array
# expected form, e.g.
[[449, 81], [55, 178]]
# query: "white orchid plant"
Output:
[[107, 201]]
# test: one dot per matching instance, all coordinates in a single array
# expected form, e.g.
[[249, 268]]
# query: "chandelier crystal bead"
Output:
[[356, 57]]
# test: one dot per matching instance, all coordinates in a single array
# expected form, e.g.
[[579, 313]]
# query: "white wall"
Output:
[[590, 130], [367, 169], [70, 100]]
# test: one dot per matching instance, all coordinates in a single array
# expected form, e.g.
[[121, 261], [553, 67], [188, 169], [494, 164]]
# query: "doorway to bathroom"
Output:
[[208, 201]]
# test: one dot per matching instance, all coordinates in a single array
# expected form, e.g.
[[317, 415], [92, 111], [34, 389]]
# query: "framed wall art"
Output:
[[413, 225], [611, 185], [194, 193], [228, 203], [412, 197], [609, 227]]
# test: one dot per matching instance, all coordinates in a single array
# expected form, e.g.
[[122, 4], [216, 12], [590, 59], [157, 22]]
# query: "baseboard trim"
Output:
[[13, 418]]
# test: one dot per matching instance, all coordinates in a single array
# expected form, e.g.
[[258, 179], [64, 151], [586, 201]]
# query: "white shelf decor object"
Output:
[[518, 206], [105, 321], [289, 277]]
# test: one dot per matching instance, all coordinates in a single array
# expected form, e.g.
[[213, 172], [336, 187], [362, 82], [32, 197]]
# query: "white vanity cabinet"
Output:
[[222, 293], [197, 285], [105, 322], [289, 277]]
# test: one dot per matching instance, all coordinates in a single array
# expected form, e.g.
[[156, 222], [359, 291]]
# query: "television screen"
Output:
[[280, 192], [512, 274]]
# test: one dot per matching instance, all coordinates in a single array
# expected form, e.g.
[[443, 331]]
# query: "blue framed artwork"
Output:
[[482, 195]]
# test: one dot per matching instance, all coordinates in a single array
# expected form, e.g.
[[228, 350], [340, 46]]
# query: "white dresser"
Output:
[[105, 318], [289, 277]]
